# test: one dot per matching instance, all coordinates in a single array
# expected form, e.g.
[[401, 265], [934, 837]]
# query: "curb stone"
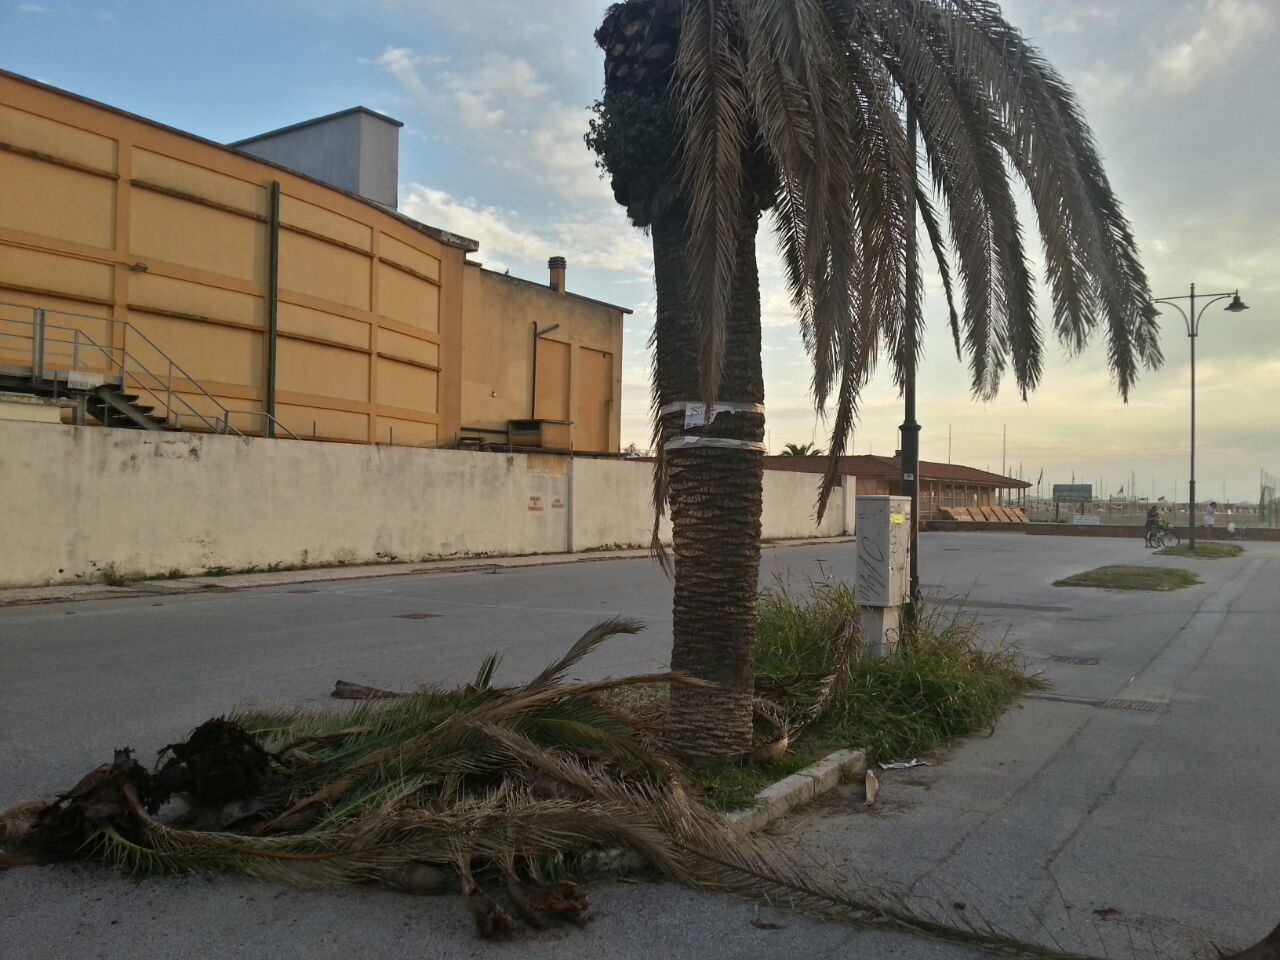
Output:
[[770, 804], [804, 786]]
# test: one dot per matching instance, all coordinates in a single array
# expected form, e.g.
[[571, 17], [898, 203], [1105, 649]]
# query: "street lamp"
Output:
[[909, 456], [1192, 317]]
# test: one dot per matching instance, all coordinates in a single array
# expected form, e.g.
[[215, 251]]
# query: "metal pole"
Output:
[[273, 308], [910, 428], [37, 346], [533, 378], [1191, 487]]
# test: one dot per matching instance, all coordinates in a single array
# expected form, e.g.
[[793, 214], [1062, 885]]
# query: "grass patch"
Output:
[[798, 633], [943, 681], [1122, 577], [938, 686], [732, 786], [1208, 551]]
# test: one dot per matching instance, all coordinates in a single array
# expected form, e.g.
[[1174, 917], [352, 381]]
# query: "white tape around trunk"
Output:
[[697, 413], [724, 443]]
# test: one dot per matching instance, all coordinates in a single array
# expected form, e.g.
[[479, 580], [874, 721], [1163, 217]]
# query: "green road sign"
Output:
[[1073, 492]]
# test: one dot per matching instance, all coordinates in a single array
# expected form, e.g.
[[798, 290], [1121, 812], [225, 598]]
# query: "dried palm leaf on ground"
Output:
[[501, 789]]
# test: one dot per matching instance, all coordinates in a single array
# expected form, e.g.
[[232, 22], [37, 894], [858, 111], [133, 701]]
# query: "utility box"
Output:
[[882, 581], [883, 576]]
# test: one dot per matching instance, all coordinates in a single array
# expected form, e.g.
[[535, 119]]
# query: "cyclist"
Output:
[[1153, 521]]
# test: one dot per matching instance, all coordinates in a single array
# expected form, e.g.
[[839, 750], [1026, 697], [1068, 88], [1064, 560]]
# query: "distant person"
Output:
[[1210, 516], [1153, 518]]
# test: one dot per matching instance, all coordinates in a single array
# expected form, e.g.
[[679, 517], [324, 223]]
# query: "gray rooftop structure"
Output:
[[355, 150]]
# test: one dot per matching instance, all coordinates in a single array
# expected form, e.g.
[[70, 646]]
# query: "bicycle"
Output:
[[1162, 535]]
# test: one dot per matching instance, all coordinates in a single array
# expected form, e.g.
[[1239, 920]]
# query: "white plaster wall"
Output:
[[613, 504], [30, 409], [850, 498], [77, 499], [611, 500], [790, 507]]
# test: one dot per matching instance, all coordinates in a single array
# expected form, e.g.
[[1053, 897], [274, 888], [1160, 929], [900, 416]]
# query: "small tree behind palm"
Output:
[[717, 110], [800, 450]]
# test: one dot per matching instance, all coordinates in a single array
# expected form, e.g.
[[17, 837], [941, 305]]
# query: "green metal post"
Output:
[[273, 289]]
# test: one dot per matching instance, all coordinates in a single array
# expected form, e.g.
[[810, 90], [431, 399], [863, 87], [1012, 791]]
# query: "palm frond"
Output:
[[584, 645], [820, 84], [709, 95], [488, 667]]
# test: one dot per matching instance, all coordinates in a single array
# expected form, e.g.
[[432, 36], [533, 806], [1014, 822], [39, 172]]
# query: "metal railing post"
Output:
[[37, 345], [168, 394], [75, 350], [226, 421]]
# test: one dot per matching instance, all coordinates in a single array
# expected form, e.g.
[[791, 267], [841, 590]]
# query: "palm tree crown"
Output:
[[803, 100]]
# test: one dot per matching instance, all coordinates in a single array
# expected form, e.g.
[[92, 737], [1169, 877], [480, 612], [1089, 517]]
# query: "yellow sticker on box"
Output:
[[897, 518]]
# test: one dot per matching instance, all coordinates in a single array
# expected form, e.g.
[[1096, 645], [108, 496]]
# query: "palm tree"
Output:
[[715, 111], [800, 450]]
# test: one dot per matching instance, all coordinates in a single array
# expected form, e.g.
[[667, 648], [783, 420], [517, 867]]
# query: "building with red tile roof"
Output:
[[942, 485]]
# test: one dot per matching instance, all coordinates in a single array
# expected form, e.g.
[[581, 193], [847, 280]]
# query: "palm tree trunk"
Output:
[[715, 499]]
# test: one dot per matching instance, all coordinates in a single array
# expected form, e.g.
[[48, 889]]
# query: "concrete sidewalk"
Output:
[[1135, 800]]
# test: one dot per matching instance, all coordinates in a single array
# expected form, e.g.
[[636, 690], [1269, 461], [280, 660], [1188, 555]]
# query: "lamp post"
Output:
[[909, 457], [1191, 317]]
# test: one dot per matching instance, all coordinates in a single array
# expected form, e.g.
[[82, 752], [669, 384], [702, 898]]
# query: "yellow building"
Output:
[[547, 361], [168, 280]]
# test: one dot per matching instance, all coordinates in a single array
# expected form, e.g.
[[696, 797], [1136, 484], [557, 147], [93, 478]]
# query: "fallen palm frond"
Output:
[[498, 788]]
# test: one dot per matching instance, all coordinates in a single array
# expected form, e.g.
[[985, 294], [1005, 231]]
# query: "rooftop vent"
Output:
[[556, 266]]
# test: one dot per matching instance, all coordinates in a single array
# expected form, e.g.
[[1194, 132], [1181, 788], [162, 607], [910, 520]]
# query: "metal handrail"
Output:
[[223, 426], [40, 339]]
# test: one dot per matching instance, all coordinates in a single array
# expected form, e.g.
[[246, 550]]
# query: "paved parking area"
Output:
[[1069, 807]]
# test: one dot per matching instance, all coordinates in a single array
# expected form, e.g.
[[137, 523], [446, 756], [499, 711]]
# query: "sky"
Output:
[[1182, 95]]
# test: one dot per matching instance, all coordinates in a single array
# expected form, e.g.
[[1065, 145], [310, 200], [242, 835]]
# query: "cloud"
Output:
[[1229, 28], [403, 64], [505, 112], [603, 242], [32, 8], [1078, 18], [776, 310], [1105, 85]]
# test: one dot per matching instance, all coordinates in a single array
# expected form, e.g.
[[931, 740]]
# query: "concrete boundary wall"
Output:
[[81, 503]]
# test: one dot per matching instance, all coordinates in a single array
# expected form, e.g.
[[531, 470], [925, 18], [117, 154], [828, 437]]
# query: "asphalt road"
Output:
[[1159, 813]]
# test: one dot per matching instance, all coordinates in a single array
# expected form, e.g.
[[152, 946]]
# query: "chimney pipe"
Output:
[[557, 267]]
